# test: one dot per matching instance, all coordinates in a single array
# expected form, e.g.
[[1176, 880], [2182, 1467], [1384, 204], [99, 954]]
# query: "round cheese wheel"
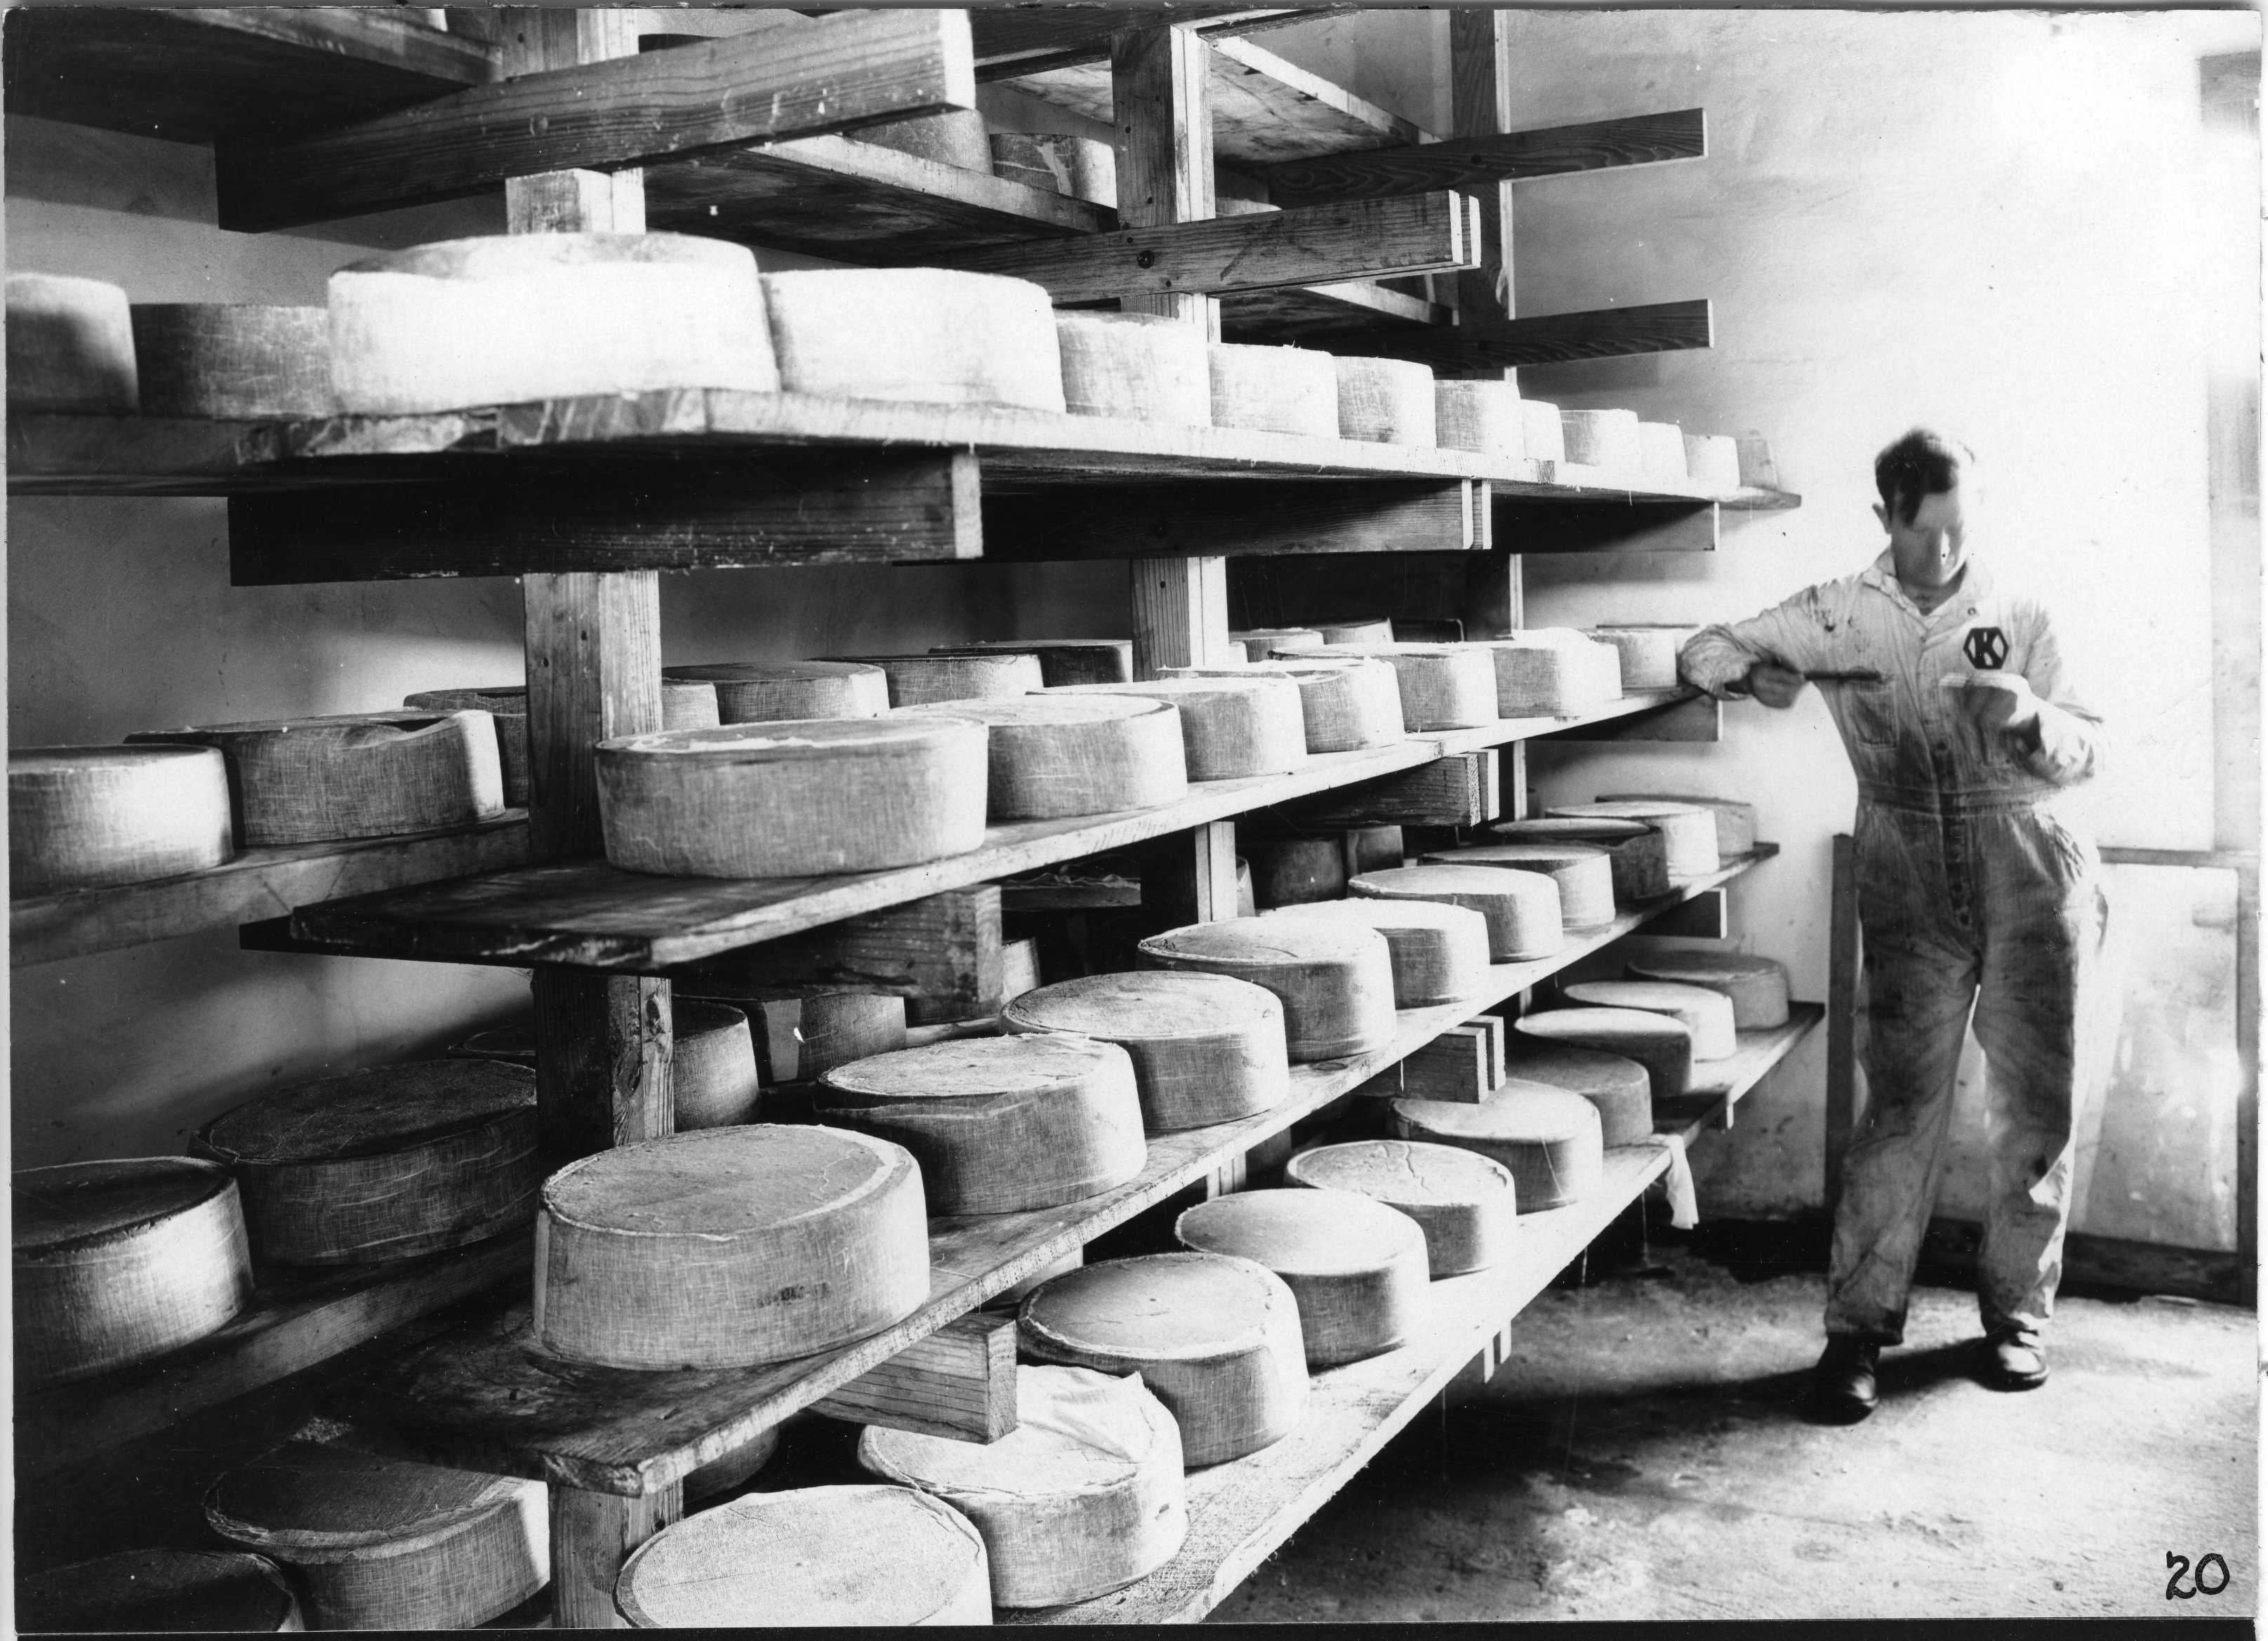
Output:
[[1386, 402], [1443, 686], [831, 1557], [384, 1163], [735, 1469], [729, 1247], [955, 137], [1231, 727], [1638, 859], [793, 798], [1370, 630], [1000, 1124], [1259, 640], [71, 347], [917, 681], [1663, 1046], [1706, 1014], [116, 1262], [1052, 756], [1439, 951], [1206, 1049], [1082, 1497], [1603, 438], [217, 359], [517, 317], [1649, 654], [1290, 871], [1544, 434], [1357, 1267], [1079, 166], [1555, 671], [1216, 1339], [1464, 1203], [1619, 1087], [1344, 704], [1549, 1140], [384, 1543], [1480, 416], [1274, 390], [1689, 832], [88, 817], [1756, 985], [1142, 367], [934, 335], [1713, 460], [1335, 981], [1662, 449], [157, 1590], [1736, 821], [1521, 907], [507, 706], [763, 691], [1585, 880], [1062, 660]]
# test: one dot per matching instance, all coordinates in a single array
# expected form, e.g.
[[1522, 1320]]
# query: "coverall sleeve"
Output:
[[1795, 633], [2065, 745]]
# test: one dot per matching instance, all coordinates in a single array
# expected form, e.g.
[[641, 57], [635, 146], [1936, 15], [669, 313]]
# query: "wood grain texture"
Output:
[[1041, 41], [593, 1537], [593, 661], [1476, 161], [1480, 112], [1180, 608], [959, 1383], [1554, 338], [1454, 1067], [1160, 93], [602, 1067], [943, 954], [1341, 316]]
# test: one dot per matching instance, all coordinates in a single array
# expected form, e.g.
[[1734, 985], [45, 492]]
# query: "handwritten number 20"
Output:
[[2181, 1567]]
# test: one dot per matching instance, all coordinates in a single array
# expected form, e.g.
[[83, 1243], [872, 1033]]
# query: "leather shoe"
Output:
[[2019, 1358], [1843, 1383]]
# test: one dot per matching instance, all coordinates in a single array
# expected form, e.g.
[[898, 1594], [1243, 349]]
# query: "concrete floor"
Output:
[[1644, 1455]]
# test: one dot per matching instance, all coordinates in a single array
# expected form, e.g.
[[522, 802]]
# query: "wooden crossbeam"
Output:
[[1549, 338], [1480, 161], [943, 954], [841, 73], [1011, 40], [1460, 789], [960, 1382], [1394, 516], [1534, 527]]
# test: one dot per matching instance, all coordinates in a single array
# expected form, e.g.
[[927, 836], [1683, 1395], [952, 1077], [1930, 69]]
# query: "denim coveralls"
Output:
[[1972, 889]]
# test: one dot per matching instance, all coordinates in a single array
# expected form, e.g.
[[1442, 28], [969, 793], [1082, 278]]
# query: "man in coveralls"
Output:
[[1973, 889]]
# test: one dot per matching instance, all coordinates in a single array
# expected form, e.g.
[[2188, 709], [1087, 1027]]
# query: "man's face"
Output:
[[1931, 548]]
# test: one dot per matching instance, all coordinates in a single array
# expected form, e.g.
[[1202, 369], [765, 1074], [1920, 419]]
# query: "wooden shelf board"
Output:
[[1504, 730], [259, 883], [1345, 312]]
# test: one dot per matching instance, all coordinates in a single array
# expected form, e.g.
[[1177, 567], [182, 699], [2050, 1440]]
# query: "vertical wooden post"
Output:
[[1842, 1014], [592, 1535]]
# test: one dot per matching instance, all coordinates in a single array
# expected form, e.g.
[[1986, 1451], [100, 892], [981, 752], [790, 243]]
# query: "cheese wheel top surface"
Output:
[[978, 1065], [1166, 1306], [1525, 857], [37, 762], [766, 671], [1648, 996], [1693, 965], [1043, 710], [1518, 1111], [1599, 1025], [1268, 940], [1643, 809], [1402, 1171], [366, 1113], [724, 1181], [60, 1207], [789, 739], [1573, 1067], [507, 256], [1387, 915], [1147, 1004], [1077, 1431], [1569, 828], [311, 1495], [1318, 1232], [1422, 880]]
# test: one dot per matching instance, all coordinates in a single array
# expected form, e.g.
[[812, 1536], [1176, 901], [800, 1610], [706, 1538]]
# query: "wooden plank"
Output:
[[1843, 960], [1013, 41], [592, 1535], [1460, 789], [1159, 81], [1706, 919], [1555, 338], [1216, 519], [1493, 1029], [841, 72], [943, 954], [1480, 102], [1476, 160], [602, 1060], [1527, 525], [1454, 1067], [121, 455], [1694, 717], [1350, 313], [1180, 614], [1190, 877], [593, 670], [960, 1382]]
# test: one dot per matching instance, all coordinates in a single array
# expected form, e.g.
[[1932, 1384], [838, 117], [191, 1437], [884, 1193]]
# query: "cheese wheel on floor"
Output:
[[507, 705], [509, 318], [1736, 821], [158, 1590], [1545, 435], [729, 1247], [1603, 438], [879, 1557], [1345, 705], [380, 1543], [1258, 641], [1084, 1497], [1663, 1046], [1053, 756], [1000, 1124], [1443, 686], [224, 359], [934, 335], [117, 1261], [1689, 832], [90, 816], [1756, 985], [763, 691], [919, 680], [1550, 1141], [1553, 671], [384, 1164], [1582, 871], [1637, 856], [1079, 166], [1707, 1014], [1618, 1086], [1662, 449], [1335, 981], [1521, 907], [1231, 727], [1217, 1339], [71, 347], [1139, 367], [1357, 1267], [1484, 417], [1649, 653], [1714, 460], [1464, 1203], [1386, 402], [1274, 390], [793, 798], [1063, 660], [1206, 1047], [1439, 951]]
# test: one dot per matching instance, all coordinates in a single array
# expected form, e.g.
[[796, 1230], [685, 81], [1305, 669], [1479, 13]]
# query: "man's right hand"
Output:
[[1774, 685]]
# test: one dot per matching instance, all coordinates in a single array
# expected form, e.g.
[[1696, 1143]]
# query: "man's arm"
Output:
[[1765, 655], [2063, 743]]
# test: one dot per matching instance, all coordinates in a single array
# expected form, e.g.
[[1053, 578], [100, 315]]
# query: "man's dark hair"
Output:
[[1922, 463]]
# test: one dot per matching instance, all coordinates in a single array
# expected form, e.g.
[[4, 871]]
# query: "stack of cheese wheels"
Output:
[[89, 817], [1465, 1203], [380, 1543], [931, 334], [764, 692], [1206, 1049], [1345, 703], [1521, 909], [360, 775], [735, 1469], [729, 1247], [1736, 821], [864, 1557], [1439, 951], [1637, 859], [1480, 416], [920, 681], [1231, 727], [1259, 642], [1274, 390], [216, 359], [1216, 1339], [1357, 1267], [1000, 1124], [1062, 660], [1079, 166], [1544, 434], [1756, 985], [386, 1164], [1662, 449], [957, 136], [1649, 651], [464, 322], [506, 706], [1707, 1014], [1553, 670], [1293, 870], [1713, 460], [117, 1261], [1082, 1497], [160, 1589], [1334, 980], [1603, 438], [1386, 402], [1662, 1045], [1141, 367], [1053, 756], [71, 346], [1585, 880], [1368, 630], [1619, 1087], [1549, 1140], [712, 1063], [1689, 832], [793, 798], [1443, 686]]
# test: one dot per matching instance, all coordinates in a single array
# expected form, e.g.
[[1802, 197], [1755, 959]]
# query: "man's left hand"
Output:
[[1997, 703]]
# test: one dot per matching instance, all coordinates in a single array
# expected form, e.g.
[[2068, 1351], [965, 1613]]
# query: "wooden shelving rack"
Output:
[[754, 136]]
